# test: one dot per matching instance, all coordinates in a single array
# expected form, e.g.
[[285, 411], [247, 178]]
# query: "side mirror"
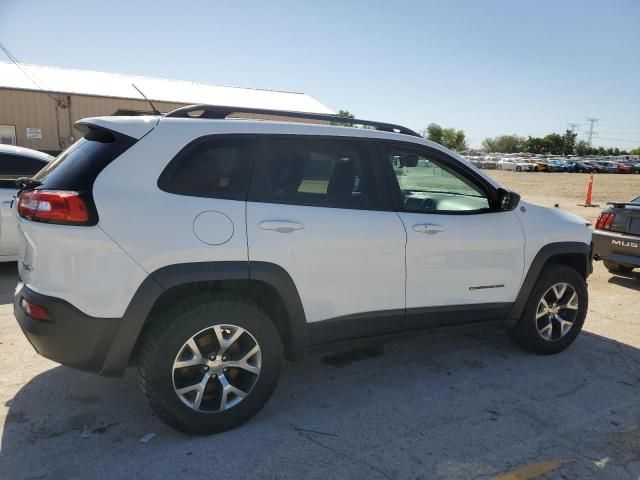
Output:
[[507, 200]]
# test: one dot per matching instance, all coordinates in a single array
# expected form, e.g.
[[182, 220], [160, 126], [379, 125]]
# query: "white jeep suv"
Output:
[[205, 250]]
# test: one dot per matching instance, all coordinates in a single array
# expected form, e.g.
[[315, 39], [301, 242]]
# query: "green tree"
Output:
[[568, 142], [553, 144], [635, 151], [582, 148], [434, 132], [448, 137], [344, 114], [534, 145], [504, 144]]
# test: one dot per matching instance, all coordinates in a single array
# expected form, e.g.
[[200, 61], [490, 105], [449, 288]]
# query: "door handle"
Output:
[[428, 228], [282, 226]]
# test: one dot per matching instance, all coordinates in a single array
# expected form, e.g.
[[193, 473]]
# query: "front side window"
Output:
[[321, 172], [212, 167], [427, 185]]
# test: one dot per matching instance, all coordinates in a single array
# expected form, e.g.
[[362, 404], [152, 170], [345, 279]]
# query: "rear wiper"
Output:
[[27, 182]]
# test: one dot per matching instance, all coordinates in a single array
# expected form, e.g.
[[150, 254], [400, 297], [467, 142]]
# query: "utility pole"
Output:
[[572, 126], [591, 132]]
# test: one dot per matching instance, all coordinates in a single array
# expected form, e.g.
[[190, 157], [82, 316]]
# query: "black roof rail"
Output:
[[221, 112]]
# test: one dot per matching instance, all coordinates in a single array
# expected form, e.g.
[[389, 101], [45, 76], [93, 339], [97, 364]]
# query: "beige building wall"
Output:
[[54, 114]]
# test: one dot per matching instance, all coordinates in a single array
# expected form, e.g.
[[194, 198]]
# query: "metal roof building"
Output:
[[39, 104]]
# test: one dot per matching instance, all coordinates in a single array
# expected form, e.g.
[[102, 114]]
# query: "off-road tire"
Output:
[[525, 332], [166, 335]]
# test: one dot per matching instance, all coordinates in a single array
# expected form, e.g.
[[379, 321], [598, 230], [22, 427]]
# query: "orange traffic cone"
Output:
[[587, 197]]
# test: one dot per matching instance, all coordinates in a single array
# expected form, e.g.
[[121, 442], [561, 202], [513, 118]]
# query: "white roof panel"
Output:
[[86, 82]]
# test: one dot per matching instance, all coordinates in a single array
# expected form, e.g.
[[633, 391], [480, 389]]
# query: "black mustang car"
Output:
[[616, 240]]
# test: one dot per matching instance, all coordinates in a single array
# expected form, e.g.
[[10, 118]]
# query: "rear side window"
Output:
[[214, 167], [79, 165], [321, 172]]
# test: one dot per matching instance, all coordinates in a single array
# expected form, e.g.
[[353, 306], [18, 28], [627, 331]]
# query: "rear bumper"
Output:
[[616, 247], [72, 337]]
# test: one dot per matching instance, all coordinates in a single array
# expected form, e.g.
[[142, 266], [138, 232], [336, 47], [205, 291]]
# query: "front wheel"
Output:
[[555, 312], [209, 362]]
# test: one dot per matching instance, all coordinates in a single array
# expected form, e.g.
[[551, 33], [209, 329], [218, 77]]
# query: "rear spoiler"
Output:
[[623, 204], [134, 127]]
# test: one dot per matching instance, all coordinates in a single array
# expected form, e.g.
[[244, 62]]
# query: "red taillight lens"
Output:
[[35, 311], [608, 222], [53, 206], [604, 221]]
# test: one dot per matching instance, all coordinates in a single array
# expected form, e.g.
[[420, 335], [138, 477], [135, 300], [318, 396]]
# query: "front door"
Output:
[[462, 256]]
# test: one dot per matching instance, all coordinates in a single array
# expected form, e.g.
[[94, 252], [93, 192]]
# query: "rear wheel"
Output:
[[518, 169], [614, 267], [554, 313], [210, 362]]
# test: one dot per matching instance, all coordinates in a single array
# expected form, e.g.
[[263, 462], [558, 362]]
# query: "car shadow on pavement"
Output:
[[454, 406], [631, 281], [8, 280]]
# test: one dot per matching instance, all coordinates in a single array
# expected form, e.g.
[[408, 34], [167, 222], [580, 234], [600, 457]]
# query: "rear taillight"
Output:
[[604, 221], [53, 206], [35, 311]]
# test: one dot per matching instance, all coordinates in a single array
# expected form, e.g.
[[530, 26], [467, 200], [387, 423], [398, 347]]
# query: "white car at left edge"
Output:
[[15, 162]]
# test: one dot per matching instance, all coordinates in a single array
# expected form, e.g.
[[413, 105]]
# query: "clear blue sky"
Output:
[[488, 67]]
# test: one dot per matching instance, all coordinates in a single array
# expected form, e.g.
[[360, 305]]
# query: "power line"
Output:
[[572, 126], [591, 132], [617, 132], [16, 62], [619, 140], [637, 127]]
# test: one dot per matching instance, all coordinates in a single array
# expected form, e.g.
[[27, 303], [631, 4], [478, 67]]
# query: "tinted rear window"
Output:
[[214, 166], [78, 166], [19, 165]]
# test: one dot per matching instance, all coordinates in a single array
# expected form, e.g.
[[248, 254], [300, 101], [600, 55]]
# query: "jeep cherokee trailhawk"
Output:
[[206, 250]]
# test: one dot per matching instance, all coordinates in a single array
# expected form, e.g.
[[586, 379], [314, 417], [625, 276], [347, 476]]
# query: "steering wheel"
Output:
[[416, 204]]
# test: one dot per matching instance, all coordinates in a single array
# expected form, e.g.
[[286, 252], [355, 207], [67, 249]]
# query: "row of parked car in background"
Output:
[[626, 164]]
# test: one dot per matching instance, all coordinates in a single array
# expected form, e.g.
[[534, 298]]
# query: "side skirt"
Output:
[[361, 330]]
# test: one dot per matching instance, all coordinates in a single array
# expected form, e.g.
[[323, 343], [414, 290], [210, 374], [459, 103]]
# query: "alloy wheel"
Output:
[[216, 368], [556, 312]]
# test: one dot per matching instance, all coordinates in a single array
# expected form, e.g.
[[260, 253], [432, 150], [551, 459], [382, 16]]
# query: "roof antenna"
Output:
[[153, 107]]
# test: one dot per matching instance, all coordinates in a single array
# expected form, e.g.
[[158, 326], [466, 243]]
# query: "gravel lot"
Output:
[[568, 189], [458, 405]]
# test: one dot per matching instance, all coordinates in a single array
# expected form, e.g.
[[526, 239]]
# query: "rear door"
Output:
[[12, 167], [464, 260], [319, 208]]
